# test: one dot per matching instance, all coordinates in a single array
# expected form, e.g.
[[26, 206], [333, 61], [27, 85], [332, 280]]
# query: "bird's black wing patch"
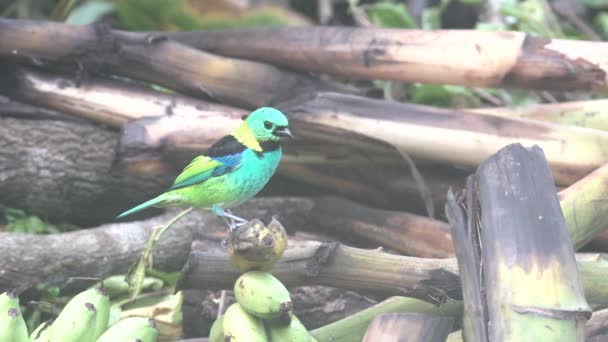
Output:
[[225, 146]]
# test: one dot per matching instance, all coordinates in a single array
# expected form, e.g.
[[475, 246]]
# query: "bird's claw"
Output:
[[232, 221]]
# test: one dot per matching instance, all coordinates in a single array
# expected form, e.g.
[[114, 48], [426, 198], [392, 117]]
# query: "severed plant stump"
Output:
[[519, 274]]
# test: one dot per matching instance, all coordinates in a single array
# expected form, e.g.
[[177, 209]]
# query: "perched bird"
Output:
[[235, 168]]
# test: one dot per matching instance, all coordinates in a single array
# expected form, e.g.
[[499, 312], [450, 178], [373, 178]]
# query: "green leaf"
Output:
[[11, 215], [17, 221], [444, 96], [472, 2], [430, 94], [29, 224], [181, 15], [390, 15], [62, 9], [490, 26], [518, 97], [463, 97], [600, 22], [89, 12], [532, 16], [431, 18], [595, 4]]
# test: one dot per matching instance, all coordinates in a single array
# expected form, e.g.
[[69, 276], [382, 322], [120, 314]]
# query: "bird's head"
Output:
[[268, 124]]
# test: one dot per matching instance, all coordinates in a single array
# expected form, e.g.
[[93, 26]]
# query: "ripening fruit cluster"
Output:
[[263, 308], [262, 312], [83, 319]]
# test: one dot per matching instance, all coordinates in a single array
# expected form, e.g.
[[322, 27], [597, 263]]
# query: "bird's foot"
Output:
[[239, 221], [230, 223]]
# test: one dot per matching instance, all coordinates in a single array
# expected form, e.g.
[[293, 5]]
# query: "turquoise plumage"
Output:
[[234, 169]]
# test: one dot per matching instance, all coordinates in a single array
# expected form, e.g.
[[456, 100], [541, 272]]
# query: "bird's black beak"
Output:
[[283, 132]]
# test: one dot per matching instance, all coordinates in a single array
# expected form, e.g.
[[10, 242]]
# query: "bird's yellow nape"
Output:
[[244, 135]]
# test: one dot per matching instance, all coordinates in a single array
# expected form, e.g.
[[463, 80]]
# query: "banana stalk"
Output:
[[595, 329], [352, 328], [519, 273], [110, 102], [154, 59], [585, 208], [316, 263], [589, 114], [493, 59], [592, 267], [466, 138], [408, 327]]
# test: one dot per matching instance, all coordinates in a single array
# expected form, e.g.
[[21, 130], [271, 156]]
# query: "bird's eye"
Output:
[[268, 125]]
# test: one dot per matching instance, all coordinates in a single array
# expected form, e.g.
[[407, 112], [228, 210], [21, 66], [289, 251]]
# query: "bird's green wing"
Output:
[[202, 168]]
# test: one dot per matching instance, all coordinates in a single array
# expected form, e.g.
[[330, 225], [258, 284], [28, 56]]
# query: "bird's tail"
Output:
[[153, 202]]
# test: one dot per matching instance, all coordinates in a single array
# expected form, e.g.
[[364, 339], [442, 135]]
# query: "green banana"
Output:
[[100, 299], [216, 334], [262, 295], [11, 321], [39, 334], [131, 329], [293, 332], [116, 285], [284, 319], [12, 326], [8, 300], [75, 323], [240, 326]]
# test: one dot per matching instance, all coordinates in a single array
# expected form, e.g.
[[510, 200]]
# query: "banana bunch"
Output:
[[83, 319], [12, 325], [263, 308], [262, 312]]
